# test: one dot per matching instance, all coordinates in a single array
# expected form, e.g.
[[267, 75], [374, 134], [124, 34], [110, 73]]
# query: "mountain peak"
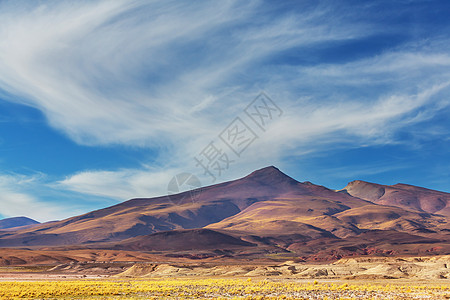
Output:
[[270, 174], [266, 170]]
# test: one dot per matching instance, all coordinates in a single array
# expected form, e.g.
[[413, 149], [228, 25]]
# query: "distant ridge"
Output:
[[401, 195], [17, 222]]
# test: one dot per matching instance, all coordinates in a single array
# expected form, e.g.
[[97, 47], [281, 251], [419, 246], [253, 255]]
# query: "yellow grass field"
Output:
[[220, 289]]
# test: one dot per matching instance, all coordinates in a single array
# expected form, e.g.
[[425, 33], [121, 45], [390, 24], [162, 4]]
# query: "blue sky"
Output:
[[108, 100]]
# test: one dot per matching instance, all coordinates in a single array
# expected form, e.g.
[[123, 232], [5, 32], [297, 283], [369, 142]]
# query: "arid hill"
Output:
[[264, 213], [10, 223], [402, 195]]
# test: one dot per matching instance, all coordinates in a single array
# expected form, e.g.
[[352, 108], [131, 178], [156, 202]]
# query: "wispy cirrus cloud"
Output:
[[120, 184], [130, 72]]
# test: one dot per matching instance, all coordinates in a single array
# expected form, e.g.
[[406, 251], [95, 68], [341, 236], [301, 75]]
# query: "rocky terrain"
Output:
[[352, 268]]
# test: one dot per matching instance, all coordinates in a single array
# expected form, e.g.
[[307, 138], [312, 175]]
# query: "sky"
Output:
[[103, 101]]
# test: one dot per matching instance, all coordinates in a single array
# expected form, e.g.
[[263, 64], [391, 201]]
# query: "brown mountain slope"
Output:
[[145, 216], [303, 214], [334, 212], [402, 195], [266, 207], [289, 216]]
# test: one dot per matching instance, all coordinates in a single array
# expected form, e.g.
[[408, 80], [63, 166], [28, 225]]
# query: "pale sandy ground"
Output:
[[417, 268]]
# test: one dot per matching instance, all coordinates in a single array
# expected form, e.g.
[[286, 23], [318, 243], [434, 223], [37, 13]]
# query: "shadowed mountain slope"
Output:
[[182, 240], [16, 222]]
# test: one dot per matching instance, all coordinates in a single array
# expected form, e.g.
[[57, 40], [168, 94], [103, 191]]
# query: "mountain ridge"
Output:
[[401, 195], [267, 208], [14, 222]]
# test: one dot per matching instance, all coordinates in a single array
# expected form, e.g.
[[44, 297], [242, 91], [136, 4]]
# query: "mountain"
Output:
[[149, 215], [9, 223], [262, 213], [402, 195]]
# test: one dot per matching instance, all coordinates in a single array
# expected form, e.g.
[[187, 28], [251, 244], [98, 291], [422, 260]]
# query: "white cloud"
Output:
[[120, 184], [15, 202], [293, 134], [128, 72]]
